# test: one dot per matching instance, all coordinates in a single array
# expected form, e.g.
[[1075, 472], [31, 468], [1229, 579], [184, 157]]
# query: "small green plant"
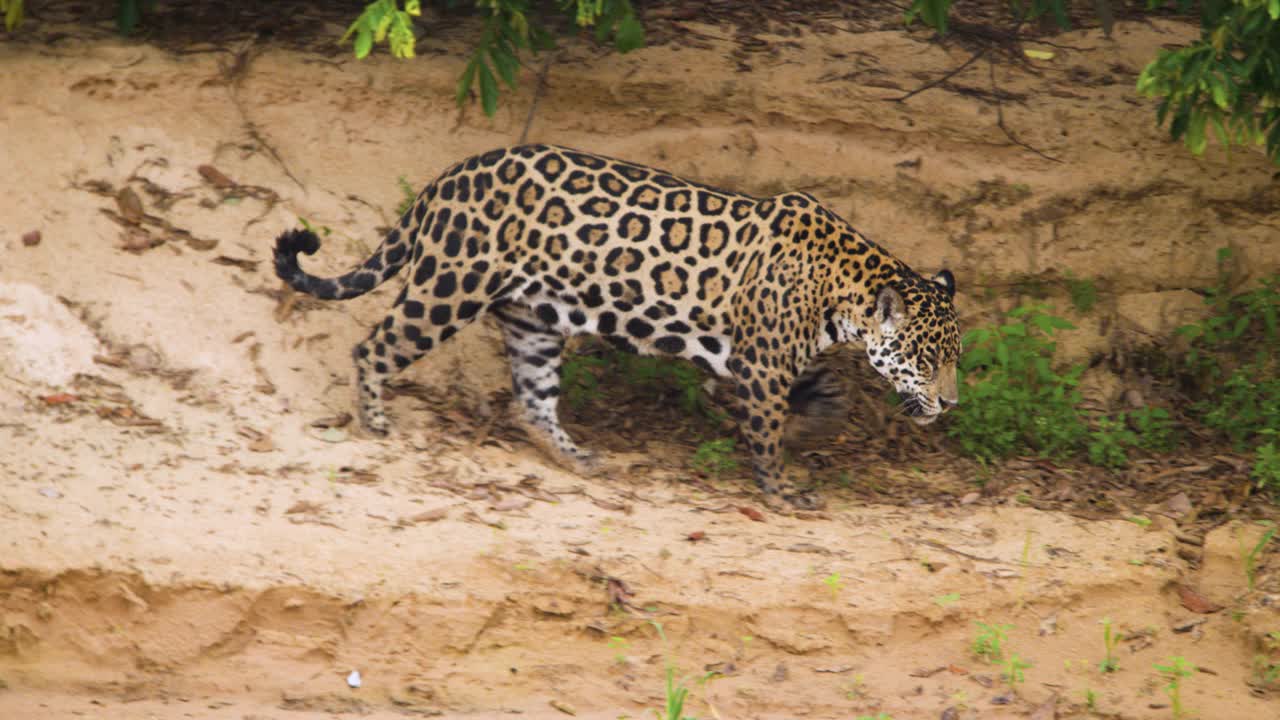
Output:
[[1109, 641], [1250, 558], [12, 10], [407, 195], [1245, 406], [715, 457], [1011, 670], [1090, 700], [676, 694], [1084, 293], [1141, 521], [619, 646], [834, 583], [1013, 398], [579, 378], [988, 643], [1108, 442], [947, 600], [1266, 467], [877, 716], [384, 20], [1155, 430], [1175, 672], [1266, 668]]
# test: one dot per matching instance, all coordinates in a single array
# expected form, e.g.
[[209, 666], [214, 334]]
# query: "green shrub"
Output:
[[1013, 398], [1109, 442], [1155, 430], [1244, 407], [715, 457], [1232, 358], [1266, 467]]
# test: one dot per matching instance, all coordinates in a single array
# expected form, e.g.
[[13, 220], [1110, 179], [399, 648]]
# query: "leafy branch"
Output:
[[509, 30]]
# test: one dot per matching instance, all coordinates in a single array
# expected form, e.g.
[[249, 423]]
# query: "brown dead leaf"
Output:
[[511, 503], [696, 536], [130, 205], [215, 177], [805, 547], [31, 239], [352, 476], [136, 239], [610, 505], [336, 421], [618, 592], [241, 263], [1195, 602], [425, 516], [1047, 711], [59, 399], [305, 507], [563, 707], [751, 512]]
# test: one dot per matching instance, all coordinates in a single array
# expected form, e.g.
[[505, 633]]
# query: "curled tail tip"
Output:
[[288, 245], [292, 242]]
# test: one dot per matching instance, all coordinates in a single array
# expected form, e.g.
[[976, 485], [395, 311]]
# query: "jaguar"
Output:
[[555, 242]]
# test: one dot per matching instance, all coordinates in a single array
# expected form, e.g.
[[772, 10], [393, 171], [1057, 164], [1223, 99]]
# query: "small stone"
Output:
[[1178, 505], [353, 680], [970, 498], [31, 239], [1188, 625]]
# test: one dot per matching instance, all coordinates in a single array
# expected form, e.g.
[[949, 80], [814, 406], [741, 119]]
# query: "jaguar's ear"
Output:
[[891, 311], [947, 281]]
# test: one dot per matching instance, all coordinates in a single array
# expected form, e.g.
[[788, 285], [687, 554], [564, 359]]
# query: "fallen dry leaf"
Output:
[[425, 516], [352, 476], [510, 503], [337, 421], [137, 240], [751, 512], [304, 506], [696, 535], [59, 399], [1195, 602], [215, 177], [130, 205], [563, 707]]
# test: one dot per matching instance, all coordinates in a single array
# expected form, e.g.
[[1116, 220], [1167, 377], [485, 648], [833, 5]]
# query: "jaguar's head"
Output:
[[914, 342]]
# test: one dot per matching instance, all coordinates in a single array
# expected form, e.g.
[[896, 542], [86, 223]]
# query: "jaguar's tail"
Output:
[[375, 270]]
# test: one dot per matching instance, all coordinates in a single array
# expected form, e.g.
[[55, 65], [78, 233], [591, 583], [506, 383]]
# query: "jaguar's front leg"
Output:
[[762, 414]]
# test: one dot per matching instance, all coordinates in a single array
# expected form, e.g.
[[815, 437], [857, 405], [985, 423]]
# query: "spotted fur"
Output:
[[555, 242]]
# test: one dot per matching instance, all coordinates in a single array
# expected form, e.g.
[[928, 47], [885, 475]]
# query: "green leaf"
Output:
[[465, 81], [488, 89], [505, 63], [383, 25], [630, 35], [127, 16], [1196, 139], [364, 42]]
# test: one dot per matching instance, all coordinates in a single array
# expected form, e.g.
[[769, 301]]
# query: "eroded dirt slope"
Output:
[[181, 538]]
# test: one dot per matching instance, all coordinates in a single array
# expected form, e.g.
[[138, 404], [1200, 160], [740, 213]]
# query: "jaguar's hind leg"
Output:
[[409, 331], [534, 350]]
